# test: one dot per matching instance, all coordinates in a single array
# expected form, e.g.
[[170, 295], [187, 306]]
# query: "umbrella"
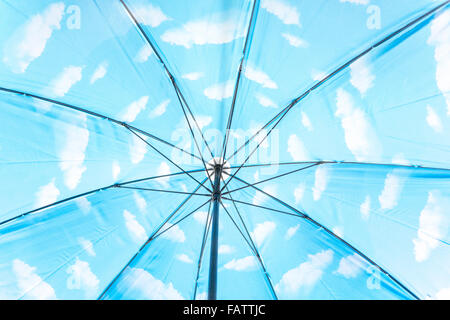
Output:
[[239, 149]]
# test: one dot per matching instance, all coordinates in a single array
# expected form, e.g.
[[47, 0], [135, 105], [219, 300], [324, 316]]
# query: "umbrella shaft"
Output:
[[212, 285]]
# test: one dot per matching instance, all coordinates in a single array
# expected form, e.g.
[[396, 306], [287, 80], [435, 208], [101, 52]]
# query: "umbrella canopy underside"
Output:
[[308, 136]]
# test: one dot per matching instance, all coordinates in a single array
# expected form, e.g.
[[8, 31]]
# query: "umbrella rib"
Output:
[[253, 248], [240, 231], [283, 112], [156, 177], [261, 207], [343, 162], [279, 164], [256, 250], [332, 234], [337, 162], [88, 193], [247, 44], [65, 263], [327, 162], [54, 204], [170, 75], [252, 152], [149, 240], [388, 165], [387, 217], [164, 191], [180, 95], [180, 220], [96, 114], [202, 249], [193, 136], [166, 157], [275, 177]]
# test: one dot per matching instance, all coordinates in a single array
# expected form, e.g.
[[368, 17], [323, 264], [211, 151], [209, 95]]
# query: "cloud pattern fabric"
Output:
[[91, 123]]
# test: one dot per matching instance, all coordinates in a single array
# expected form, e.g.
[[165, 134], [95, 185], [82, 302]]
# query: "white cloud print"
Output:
[[150, 15], [134, 108], [73, 152], [140, 201], [362, 2], [360, 136], [297, 149], [243, 264], [433, 120], [87, 246], [192, 76], [393, 185], [201, 216], [160, 109], [262, 231], [143, 285], [291, 232], [144, 53], [82, 278], [295, 41], [351, 266], [220, 91], [261, 197], [135, 229], [138, 149], [174, 233], [99, 73], [433, 225], [265, 101], [30, 284], [28, 42], [305, 275], [183, 257], [306, 122], [259, 77], [443, 294], [222, 28], [115, 169], [225, 249], [163, 170], [47, 194], [84, 205], [440, 39], [299, 192], [65, 80], [282, 10], [365, 208], [361, 75], [320, 182]]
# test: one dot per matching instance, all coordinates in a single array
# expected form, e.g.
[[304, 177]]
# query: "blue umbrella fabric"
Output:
[[238, 149]]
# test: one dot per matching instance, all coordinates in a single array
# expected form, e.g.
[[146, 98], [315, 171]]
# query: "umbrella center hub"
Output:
[[218, 164]]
